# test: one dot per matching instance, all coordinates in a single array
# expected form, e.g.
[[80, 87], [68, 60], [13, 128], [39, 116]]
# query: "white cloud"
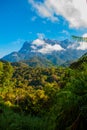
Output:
[[73, 46], [33, 47], [79, 45], [44, 10], [65, 32], [84, 35], [38, 42], [33, 18], [82, 45], [50, 48], [74, 11], [41, 35], [41, 46]]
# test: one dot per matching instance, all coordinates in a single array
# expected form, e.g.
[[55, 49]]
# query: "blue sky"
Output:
[[22, 20]]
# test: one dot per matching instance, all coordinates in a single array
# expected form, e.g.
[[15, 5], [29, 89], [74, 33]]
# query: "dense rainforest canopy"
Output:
[[52, 98]]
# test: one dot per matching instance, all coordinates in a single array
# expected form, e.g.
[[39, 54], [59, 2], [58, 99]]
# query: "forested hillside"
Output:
[[53, 98]]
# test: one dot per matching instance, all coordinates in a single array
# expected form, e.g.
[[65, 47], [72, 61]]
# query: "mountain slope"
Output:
[[81, 63], [37, 62]]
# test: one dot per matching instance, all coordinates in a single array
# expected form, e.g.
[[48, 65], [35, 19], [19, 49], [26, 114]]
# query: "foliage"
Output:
[[79, 39], [38, 98]]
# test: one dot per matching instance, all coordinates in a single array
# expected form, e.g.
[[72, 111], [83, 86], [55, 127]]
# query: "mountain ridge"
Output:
[[54, 51]]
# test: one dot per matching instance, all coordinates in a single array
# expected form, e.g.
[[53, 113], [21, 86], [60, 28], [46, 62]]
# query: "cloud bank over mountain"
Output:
[[39, 45]]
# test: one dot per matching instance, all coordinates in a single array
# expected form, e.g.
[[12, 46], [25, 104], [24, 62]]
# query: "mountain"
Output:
[[46, 52]]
